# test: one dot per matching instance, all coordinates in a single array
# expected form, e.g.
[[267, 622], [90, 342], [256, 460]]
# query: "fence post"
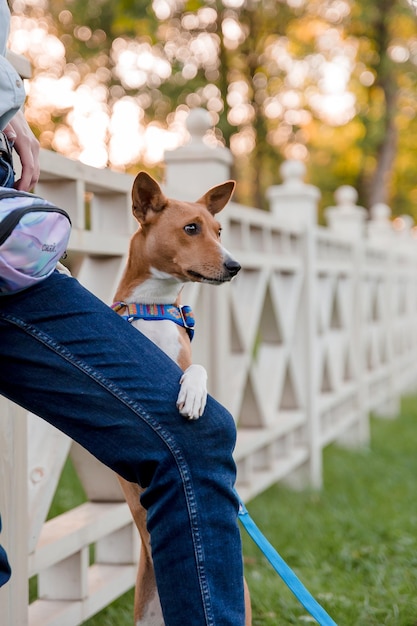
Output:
[[381, 233], [379, 227], [13, 508], [294, 201], [348, 220], [192, 169]]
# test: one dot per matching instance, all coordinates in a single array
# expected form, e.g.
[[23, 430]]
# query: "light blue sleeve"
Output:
[[12, 92], [4, 26]]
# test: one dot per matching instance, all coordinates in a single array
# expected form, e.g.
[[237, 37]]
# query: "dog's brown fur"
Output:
[[176, 242]]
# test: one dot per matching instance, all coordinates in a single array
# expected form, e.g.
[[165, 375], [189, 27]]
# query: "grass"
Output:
[[353, 544]]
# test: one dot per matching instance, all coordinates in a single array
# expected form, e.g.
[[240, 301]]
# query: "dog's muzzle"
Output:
[[232, 267]]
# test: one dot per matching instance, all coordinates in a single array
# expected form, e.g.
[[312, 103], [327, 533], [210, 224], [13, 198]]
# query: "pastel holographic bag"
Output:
[[34, 235]]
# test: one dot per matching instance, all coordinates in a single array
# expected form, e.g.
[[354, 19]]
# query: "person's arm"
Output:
[[27, 147], [12, 120]]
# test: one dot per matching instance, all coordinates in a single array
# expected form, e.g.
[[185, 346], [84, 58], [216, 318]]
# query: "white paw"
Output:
[[192, 397]]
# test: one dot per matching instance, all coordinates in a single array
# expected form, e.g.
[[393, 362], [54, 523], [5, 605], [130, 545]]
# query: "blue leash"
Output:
[[284, 571]]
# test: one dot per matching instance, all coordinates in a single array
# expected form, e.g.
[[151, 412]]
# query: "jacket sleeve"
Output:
[[12, 92]]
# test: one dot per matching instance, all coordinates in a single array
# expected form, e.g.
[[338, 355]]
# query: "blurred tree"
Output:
[[387, 49], [331, 82]]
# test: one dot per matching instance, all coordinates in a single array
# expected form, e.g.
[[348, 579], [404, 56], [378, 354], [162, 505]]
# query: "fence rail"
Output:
[[318, 329]]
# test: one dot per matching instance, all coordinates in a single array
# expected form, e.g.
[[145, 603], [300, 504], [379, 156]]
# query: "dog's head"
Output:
[[182, 239]]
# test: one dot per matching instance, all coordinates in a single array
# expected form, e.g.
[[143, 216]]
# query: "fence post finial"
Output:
[[379, 227], [346, 218], [192, 169], [294, 200]]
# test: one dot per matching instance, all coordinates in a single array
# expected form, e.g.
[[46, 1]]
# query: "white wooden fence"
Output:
[[317, 330]]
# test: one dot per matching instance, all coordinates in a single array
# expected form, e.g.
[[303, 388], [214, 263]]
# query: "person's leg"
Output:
[[70, 359]]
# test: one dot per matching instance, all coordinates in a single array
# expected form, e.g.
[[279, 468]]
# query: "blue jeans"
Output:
[[6, 164], [70, 359], [6, 174]]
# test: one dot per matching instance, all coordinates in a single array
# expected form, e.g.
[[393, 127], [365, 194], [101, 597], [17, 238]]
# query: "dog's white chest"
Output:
[[164, 333]]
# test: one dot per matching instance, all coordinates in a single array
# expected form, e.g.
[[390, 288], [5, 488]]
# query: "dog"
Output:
[[176, 242]]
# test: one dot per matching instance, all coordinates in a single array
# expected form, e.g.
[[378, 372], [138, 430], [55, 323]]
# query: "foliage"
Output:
[[329, 82], [353, 544]]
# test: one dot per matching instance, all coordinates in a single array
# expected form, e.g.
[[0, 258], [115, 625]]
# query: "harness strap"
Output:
[[181, 315], [283, 570]]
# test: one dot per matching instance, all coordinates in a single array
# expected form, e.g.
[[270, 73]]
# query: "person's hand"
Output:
[[27, 148]]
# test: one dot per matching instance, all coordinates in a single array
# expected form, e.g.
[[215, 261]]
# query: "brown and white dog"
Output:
[[176, 242]]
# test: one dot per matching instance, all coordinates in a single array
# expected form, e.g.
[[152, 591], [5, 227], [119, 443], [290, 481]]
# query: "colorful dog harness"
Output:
[[181, 315]]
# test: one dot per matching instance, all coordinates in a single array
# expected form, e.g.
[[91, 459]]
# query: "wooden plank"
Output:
[[66, 580], [251, 439], [66, 534], [56, 167], [105, 584], [54, 613], [280, 469]]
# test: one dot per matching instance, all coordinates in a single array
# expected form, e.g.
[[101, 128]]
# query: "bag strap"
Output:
[[13, 218], [6, 192]]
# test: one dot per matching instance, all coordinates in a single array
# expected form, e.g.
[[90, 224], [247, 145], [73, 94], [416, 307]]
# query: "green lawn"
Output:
[[354, 544]]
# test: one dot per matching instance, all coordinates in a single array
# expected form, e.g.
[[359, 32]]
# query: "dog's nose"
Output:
[[232, 266]]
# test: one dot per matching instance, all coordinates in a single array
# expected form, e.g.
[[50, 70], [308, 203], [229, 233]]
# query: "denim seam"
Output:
[[162, 434]]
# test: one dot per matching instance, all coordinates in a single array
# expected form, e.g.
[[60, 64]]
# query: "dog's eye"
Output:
[[192, 229], [219, 234]]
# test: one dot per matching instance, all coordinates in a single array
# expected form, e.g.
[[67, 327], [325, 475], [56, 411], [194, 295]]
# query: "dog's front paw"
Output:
[[192, 397]]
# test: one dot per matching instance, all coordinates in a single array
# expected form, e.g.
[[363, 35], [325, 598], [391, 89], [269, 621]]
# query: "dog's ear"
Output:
[[146, 196], [217, 197]]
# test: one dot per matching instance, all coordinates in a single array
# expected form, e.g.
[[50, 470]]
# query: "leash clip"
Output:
[[187, 316], [188, 320]]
